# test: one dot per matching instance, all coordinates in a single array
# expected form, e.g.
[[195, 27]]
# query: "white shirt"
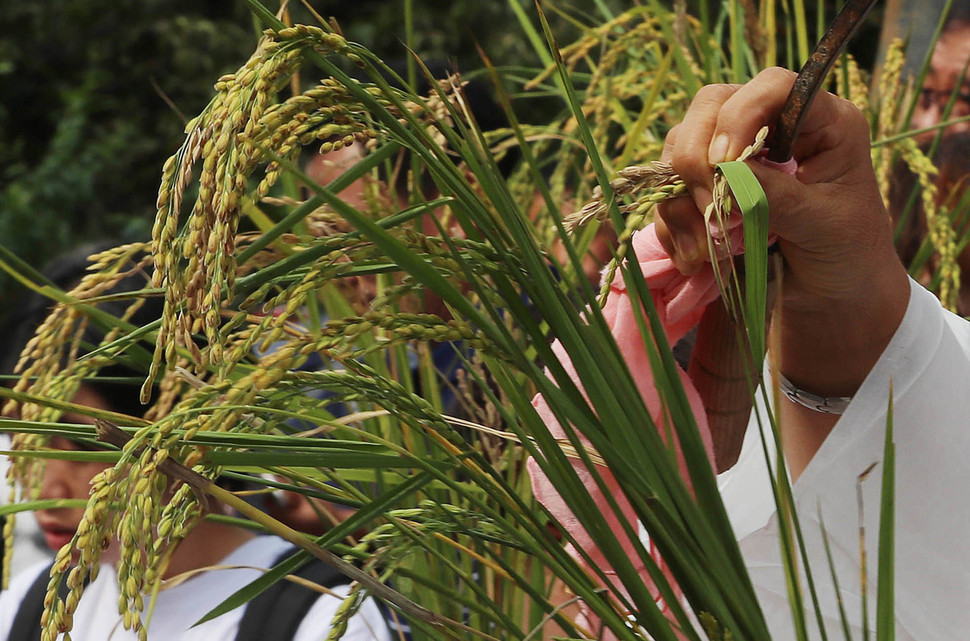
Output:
[[928, 363], [178, 608], [29, 547]]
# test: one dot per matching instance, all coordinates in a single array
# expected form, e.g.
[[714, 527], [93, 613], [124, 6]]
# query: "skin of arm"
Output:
[[844, 290]]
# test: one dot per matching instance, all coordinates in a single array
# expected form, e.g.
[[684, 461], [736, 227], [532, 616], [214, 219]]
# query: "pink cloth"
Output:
[[680, 301]]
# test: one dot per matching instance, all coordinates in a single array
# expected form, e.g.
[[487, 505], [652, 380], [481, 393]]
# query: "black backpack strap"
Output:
[[277, 612], [26, 624]]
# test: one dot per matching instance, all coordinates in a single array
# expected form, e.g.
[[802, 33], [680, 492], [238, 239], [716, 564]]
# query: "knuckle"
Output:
[[853, 114], [691, 164], [670, 143], [672, 135], [713, 94], [777, 75], [854, 123]]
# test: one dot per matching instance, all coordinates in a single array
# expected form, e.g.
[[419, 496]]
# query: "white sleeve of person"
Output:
[[928, 364]]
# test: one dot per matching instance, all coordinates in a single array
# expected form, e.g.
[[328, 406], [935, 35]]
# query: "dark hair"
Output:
[[958, 21], [66, 272]]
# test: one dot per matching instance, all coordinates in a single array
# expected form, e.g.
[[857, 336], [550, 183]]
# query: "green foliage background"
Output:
[[94, 95], [83, 124], [85, 87]]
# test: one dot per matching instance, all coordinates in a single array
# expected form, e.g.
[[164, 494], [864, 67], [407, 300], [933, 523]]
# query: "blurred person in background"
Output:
[[195, 586], [949, 61]]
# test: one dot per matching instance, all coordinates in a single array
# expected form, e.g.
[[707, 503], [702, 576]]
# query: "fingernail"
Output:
[[717, 153], [686, 246]]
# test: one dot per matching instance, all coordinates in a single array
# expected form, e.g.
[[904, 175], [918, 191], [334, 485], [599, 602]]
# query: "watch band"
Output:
[[824, 404]]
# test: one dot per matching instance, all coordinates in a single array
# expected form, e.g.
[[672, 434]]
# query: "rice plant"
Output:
[[304, 326]]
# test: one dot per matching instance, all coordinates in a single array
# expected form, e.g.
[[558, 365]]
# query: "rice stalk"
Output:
[[443, 497]]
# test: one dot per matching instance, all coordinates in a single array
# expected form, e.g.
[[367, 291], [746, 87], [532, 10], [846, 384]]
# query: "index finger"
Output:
[[758, 103], [689, 154]]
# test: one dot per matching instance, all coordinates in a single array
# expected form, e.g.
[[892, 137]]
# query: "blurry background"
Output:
[[915, 20], [94, 94]]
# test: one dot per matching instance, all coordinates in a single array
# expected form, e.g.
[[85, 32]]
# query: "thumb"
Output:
[[788, 200]]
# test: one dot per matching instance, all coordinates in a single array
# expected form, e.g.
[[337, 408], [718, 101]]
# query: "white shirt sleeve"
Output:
[[927, 367]]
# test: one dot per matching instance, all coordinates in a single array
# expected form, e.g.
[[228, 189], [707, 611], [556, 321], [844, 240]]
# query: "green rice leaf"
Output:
[[753, 203], [885, 604]]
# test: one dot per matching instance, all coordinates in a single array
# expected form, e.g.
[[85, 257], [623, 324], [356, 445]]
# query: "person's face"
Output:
[[325, 168], [951, 54], [68, 479]]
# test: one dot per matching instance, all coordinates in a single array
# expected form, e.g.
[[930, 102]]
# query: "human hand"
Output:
[[833, 229], [843, 291]]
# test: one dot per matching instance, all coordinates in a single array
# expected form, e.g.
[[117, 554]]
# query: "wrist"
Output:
[[829, 345], [824, 404]]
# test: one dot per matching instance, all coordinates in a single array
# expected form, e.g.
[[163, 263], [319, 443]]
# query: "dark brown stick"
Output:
[[812, 76]]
